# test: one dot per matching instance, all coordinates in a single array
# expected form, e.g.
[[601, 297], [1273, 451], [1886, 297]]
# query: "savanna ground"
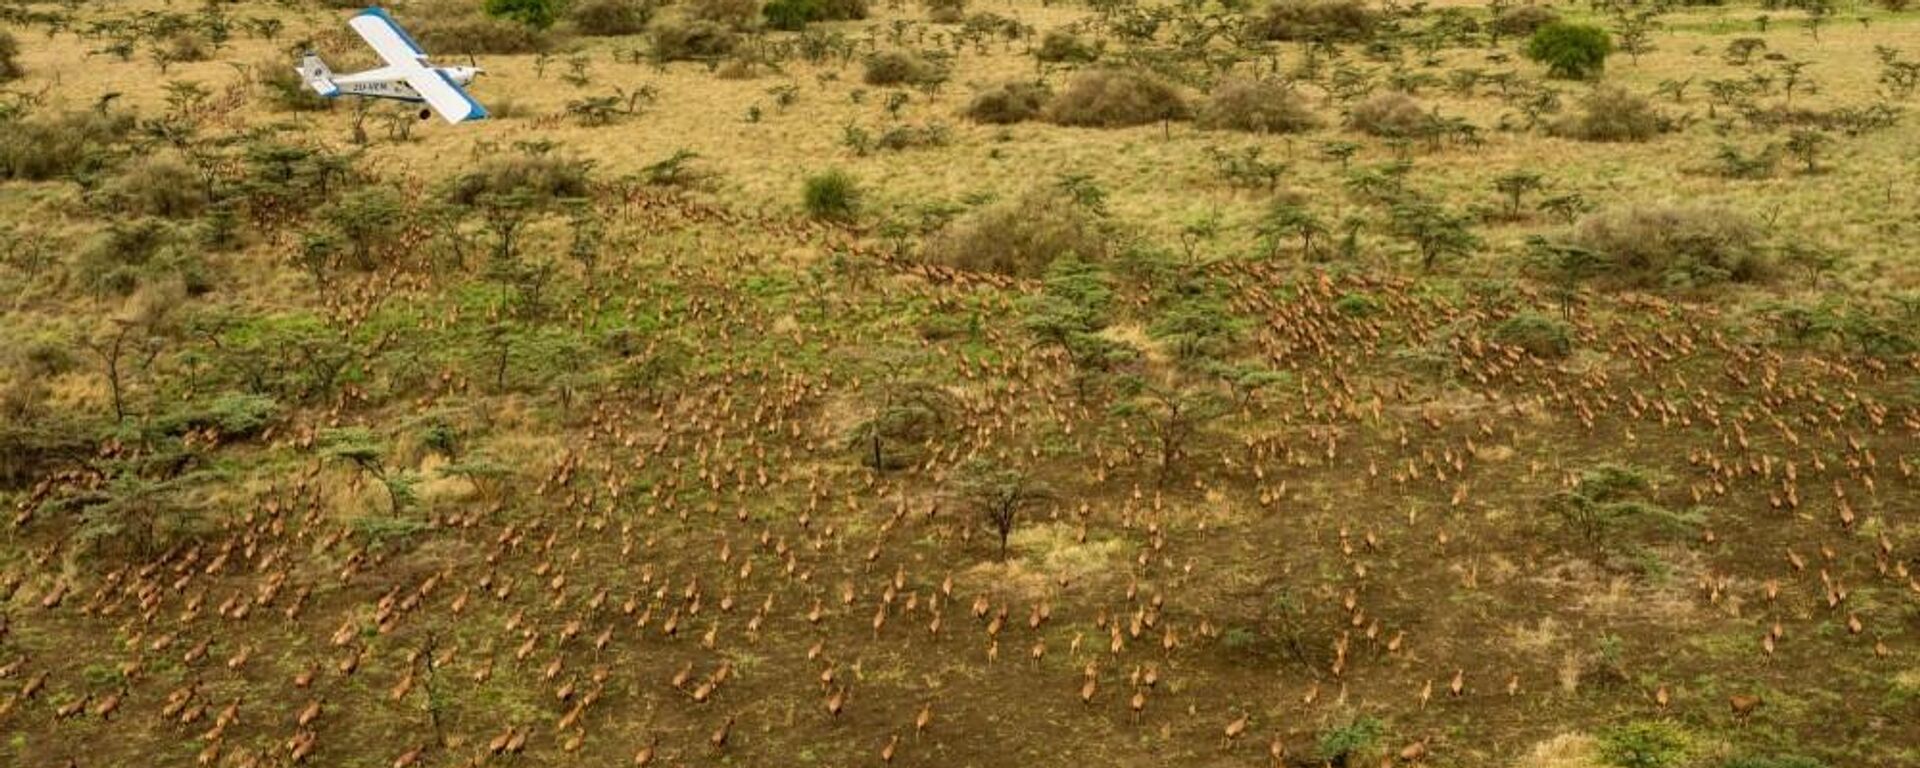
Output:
[[1348, 390]]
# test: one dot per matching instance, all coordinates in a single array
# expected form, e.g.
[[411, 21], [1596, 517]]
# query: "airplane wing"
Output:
[[447, 98], [407, 60], [387, 38]]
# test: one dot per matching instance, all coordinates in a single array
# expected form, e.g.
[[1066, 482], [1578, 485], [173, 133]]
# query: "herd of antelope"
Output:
[[705, 574]]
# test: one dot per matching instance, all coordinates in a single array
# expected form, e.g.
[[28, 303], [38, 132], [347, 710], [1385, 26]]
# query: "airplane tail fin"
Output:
[[317, 75]]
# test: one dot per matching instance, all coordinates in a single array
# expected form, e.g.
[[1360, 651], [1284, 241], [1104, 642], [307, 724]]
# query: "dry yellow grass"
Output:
[[1158, 182]]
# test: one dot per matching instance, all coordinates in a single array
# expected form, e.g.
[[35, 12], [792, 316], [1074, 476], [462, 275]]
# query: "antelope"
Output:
[[1233, 730]]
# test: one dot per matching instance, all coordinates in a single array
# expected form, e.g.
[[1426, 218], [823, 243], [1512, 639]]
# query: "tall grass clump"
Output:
[[831, 196]]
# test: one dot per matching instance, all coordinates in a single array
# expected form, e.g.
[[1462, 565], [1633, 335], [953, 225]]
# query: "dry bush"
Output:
[[840, 10], [678, 39], [1611, 113], [946, 11], [1390, 114], [153, 186], [900, 68], [1522, 20], [544, 177], [1675, 245], [1260, 106], [610, 18], [185, 46], [1059, 45], [9, 53], [734, 14], [451, 28], [1020, 237], [1110, 98], [1008, 103], [1329, 20]]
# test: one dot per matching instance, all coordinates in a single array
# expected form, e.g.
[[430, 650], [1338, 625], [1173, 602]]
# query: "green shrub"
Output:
[[1357, 305], [1677, 246], [153, 186], [1349, 744], [1539, 335], [1060, 46], [901, 68], [1008, 103], [1573, 51], [54, 146], [1644, 745], [1321, 20], [789, 15], [537, 14], [610, 18], [1610, 113], [832, 196], [681, 39], [1523, 19], [232, 415], [9, 57], [1391, 114], [1259, 106], [1110, 98], [1021, 237], [1772, 761]]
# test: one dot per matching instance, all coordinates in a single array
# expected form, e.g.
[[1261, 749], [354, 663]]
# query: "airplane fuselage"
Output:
[[377, 84]]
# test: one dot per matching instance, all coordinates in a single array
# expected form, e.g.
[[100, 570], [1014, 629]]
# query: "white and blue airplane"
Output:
[[406, 77]]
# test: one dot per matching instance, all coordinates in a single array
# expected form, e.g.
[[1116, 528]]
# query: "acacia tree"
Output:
[[1000, 494], [357, 446], [1435, 231], [367, 219], [1292, 219], [1171, 413], [1564, 266], [1515, 185], [904, 410], [1073, 308]]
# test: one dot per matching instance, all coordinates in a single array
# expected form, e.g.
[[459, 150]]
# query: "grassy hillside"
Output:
[[989, 384]]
